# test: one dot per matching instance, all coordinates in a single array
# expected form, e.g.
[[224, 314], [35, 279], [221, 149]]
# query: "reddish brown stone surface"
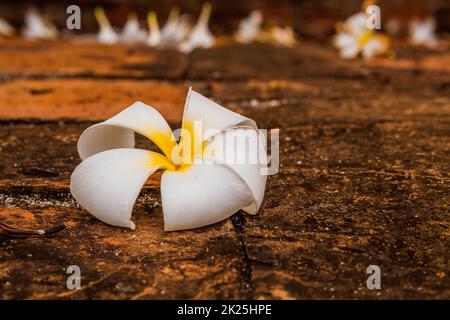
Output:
[[364, 174]]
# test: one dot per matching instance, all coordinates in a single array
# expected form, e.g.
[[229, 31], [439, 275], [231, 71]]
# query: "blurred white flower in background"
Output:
[[200, 36], [36, 27], [250, 27], [132, 32], [284, 36], [154, 35], [422, 32], [250, 31], [106, 35], [176, 29], [354, 38]]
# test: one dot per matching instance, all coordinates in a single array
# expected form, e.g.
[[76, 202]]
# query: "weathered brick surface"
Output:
[[87, 100], [363, 178], [41, 60]]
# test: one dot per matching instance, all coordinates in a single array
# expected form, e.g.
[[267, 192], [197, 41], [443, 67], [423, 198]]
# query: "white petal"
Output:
[[106, 35], [200, 195], [344, 39], [118, 131], [249, 27], [132, 32], [243, 151], [357, 23], [37, 28], [212, 116], [171, 23], [108, 183], [154, 36], [183, 28], [283, 36], [350, 51], [376, 46], [423, 32], [200, 36]]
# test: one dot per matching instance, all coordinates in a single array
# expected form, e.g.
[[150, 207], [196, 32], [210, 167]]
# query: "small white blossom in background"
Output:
[[176, 29], [171, 24], [6, 30], [250, 28], [200, 36], [154, 35], [250, 31], [422, 33], [283, 36], [106, 34], [132, 32], [36, 27], [172, 34], [355, 38]]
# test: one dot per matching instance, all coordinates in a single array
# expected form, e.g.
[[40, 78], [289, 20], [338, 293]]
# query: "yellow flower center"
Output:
[[179, 156], [365, 38]]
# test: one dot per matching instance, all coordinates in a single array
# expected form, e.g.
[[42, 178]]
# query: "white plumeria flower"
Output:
[[200, 36], [176, 29], [132, 32], [278, 36], [170, 30], [250, 27], [354, 38], [106, 35], [422, 33], [37, 28], [250, 30], [171, 24], [173, 33], [356, 24], [6, 30], [154, 35], [376, 46], [182, 30], [202, 182]]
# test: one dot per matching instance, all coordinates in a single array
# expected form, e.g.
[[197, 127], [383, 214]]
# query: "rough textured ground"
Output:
[[364, 174]]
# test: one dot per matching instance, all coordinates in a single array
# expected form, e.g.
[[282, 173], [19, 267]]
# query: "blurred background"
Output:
[[309, 18]]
